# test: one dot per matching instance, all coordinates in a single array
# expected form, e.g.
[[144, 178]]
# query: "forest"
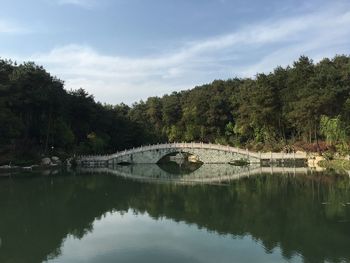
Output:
[[305, 106]]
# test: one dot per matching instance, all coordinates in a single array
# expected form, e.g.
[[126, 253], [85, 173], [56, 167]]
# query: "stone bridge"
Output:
[[206, 153]]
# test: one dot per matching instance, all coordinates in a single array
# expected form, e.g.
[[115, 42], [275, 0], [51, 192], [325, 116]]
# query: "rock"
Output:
[[68, 162], [35, 166], [319, 158], [55, 160], [46, 161], [314, 162], [9, 167], [193, 159]]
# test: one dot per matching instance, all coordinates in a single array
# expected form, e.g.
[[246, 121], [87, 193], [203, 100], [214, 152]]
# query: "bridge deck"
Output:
[[270, 156]]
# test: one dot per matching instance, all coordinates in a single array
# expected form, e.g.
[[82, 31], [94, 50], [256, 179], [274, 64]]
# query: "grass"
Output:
[[336, 164]]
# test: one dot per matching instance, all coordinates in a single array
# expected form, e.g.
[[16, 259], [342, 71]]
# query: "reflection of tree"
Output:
[[184, 168], [38, 213]]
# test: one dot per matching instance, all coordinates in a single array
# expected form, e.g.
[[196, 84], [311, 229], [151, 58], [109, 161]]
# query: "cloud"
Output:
[[252, 49], [10, 27], [81, 3]]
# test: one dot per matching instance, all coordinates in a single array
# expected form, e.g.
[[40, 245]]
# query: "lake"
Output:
[[145, 213]]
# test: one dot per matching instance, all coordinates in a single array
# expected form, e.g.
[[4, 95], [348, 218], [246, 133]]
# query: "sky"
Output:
[[128, 50]]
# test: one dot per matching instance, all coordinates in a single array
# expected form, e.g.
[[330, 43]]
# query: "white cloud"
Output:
[[82, 3], [9, 27], [115, 79]]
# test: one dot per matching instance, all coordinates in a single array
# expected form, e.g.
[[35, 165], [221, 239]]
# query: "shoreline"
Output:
[[314, 161], [47, 163], [336, 164]]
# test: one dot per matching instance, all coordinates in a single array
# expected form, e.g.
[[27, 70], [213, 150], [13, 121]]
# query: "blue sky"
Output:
[[127, 50]]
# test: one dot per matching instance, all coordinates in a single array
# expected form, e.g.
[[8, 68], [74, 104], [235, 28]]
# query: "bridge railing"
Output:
[[187, 145], [194, 145]]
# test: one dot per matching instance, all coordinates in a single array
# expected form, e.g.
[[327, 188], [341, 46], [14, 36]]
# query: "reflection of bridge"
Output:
[[206, 174], [206, 153]]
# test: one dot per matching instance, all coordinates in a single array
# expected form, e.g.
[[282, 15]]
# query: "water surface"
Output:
[[108, 217]]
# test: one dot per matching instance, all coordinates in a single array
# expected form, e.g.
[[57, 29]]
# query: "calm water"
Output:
[[95, 216]]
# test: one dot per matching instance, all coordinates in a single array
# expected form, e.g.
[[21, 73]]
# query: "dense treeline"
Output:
[[38, 117], [303, 103]]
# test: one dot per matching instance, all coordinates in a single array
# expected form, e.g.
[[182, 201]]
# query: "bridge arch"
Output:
[[207, 153], [177, 156]]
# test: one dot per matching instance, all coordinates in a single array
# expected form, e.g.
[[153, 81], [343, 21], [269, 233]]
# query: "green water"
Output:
[[102, 217]]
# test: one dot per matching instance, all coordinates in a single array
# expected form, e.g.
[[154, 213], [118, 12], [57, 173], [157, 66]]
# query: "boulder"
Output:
[[68, 162], [55, 160], [46, 161], [319, 158], [314, 162]]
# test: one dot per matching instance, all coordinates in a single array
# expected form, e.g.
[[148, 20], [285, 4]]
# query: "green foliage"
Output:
[[97, 143], [173, 133], [63, 135], [330, 128], [229, 129], [37, 114], [334, 130], [328, 155], [284, 105], [192, 132], [306, 102], [337, 164]]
